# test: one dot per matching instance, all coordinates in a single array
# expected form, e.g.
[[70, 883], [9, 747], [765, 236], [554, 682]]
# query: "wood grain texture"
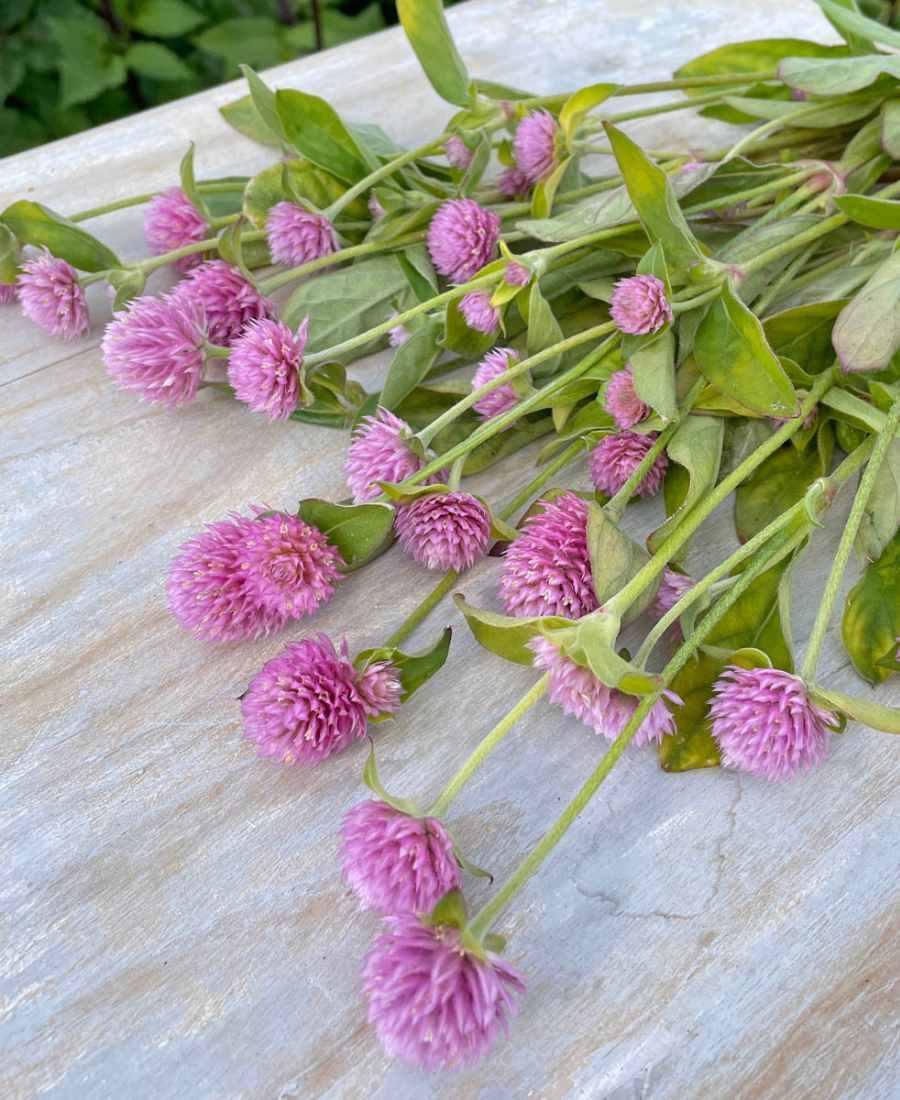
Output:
[[174, 925]]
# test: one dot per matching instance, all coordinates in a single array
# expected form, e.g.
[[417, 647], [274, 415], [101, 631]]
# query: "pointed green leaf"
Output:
[[579, 103], [358, 531], [430, 37], [881, 516], [615, 559], [696, 447], [870, 211], [873, 715], [836, 75], [36, 224], [505, 635], [451, 909], [867, 332], [890, 127], [871, 621], [316, 131]]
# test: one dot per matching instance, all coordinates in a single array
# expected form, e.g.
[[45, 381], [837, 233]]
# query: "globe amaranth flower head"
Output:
[[462, 238], [433, 1002], [513, 183], [227, 299], [51, 296], [639, 305], [622, 401], [264, 367], [616, 457], [606, 710], [394, 861], [444, 530], [310, 702], [672, 588], [504, 397], [765, 723], [478, 312], [295, 235], [399, 334], [534, 145], [379, 451], [458, 153], [242, 578], [516, 274], [155, 349], [547, 570], [171, 221]]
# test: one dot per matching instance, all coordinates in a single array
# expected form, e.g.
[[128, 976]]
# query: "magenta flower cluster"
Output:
[[503, 397], [296, 236], [616, 457], [379, 451], [534, 145], [622, 401], [171, 221], [228, 300], [462, 238], [639, 305], [51, 296], [478, 312], [264, 367], [444, 530]]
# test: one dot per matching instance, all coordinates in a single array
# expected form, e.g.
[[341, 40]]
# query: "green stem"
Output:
[[476, 758], [820, 626], [665, 108], [550, 470], [678, 84], [138, 200], [514, 884], [431, 601], [285, 277], [623, 599], [774, 288], [385, 170]]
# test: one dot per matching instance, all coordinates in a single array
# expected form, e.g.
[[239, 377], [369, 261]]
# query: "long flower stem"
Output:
[[537, 483], [231, 187], [431, 601], [476, 758], [385, 170], [514, 884], [678, 84], [365, 249], [820, 626]]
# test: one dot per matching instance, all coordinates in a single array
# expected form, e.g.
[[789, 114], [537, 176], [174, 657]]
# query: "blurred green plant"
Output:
[[66, 65]]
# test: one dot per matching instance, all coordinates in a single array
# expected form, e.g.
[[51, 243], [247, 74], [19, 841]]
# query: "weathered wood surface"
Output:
[[173, 922]]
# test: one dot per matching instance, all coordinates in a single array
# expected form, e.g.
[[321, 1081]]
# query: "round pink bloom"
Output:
[[154, 348], [444, 530], [547, 570], [513, 183], [306, 703], [639, 305], [622, 401], [172, 221], [395, 862], [7, 293], [478, 312], [295, 236], [432, 1002], [50, 296], [516, 274], [674, 586], [399, 334], [264, 367], [504, 397], [616, 457], [242, 578], [227, 299], [458, 153], [606, 710], [375, 208], [378, 451], [765, 724], [534, 145], [462, 238]]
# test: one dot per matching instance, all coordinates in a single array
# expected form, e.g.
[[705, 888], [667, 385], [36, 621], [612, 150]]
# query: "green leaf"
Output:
[[696, 447], [264, 101], [373, 782], [731, 350], [165, 18], [827, 116], [459, 338], [590, 643], [838, 75], [761, 55], [653, 365], [867, 333], [871, 620], [428, 34], [88, 65], [505, 635], [545, 191], [412, 362], [615, 559], [35, 224], [244, 116], [849, 22], [890, 127], [803, 334], [881, 515], [128, 283], [358, 531], [157, 61], [653, 197], [188, 181], [9, 255], [579, 103], [873, 715], [255, 41], [873, 212], [858, 42], [309, 180], [543, 328], [451, 909], [316, 131]]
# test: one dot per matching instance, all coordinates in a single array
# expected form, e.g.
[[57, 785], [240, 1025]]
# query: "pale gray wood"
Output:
[[174, 924]]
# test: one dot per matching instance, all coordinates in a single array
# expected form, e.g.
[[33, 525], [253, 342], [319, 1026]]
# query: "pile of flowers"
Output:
[[714, 325]]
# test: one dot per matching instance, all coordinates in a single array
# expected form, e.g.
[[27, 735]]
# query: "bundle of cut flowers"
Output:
[[719, 325]]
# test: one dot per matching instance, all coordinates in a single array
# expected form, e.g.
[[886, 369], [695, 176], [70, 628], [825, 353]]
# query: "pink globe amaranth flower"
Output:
[[7, 293], [622, 401], [50, 296], [306, 704], [513, 183], [673, 587], [534, 145], [378, 451], [458, 153], [154, 348], [381, 688], [432, 1002], [616, 457], [584, 696], [227, 299], [375, 208], [395, 862], [462, 238], [547, 570], [478, 312], [264, 367], [172, 221], [399, 334], [295, 236], [504, 397], [444, 530], [242, 578], [639, 305], [516, 274], [765, 724]]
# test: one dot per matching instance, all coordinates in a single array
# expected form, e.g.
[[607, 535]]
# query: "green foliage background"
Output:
[[66, 65]]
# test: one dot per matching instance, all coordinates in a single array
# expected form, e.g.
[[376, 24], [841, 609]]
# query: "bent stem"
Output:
[[385, 170], [293, 273], [476, 758]]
